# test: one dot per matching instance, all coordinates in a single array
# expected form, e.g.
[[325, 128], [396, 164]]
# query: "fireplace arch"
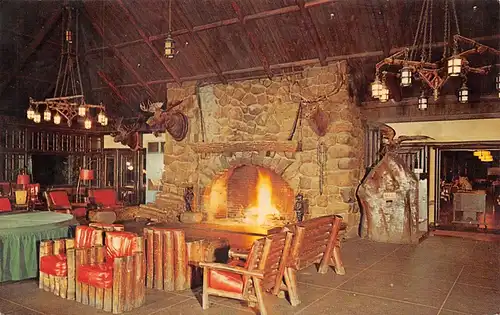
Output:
[[241, 191]]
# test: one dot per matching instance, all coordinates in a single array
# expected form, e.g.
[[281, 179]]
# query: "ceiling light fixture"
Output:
[[68, 101], [454, 62], [169, 41]]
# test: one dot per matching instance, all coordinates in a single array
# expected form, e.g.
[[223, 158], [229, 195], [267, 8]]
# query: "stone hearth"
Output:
[[248, 123]]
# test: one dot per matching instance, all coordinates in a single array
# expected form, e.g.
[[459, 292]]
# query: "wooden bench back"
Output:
[[312, 239]]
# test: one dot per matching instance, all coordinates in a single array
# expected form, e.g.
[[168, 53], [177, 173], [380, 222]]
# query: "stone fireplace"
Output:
[[240, 136]]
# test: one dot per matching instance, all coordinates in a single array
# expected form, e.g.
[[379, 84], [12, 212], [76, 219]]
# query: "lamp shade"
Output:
[[23, 179], [86, 174]]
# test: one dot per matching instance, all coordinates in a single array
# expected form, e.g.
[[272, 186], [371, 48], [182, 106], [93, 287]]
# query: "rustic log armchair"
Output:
[[262, 271], [58, 263], [315, 241], [58, 201], [112, 277]]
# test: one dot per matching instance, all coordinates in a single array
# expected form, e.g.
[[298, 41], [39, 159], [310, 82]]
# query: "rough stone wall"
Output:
[[263, 109]]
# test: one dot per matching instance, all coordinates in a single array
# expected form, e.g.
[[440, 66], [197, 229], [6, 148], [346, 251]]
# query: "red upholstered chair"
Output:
[[58, 201], [262, 271], [58, 260], [112, 277], [105, 198], [5, 189], [5, 205]]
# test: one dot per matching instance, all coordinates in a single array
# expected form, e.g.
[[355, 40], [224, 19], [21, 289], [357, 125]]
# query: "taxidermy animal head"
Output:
[[127, 134], [389, 141], [174, 122]]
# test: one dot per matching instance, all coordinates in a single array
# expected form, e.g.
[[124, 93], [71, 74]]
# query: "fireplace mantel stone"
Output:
[[245, 146]]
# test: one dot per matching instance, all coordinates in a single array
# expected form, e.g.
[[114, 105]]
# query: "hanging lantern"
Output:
[[100, 117], [454, 66], [463, 94], [169, 47], [68, 36], [88, 123], [37, 117], [406, 75], [47, 115], [104, 121], [384, 94], [30, 113], [57, 119], [82, 111], [423, 101], [376, 88]]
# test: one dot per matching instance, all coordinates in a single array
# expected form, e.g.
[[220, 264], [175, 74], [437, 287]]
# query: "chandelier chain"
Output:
[[455, 15], [430, 32], [170, 16], [417, 34], [425, 30], [446, 29]]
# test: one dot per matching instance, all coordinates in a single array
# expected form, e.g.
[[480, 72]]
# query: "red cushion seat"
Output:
[[5, 205], [79, 212], [225, 280], [55, 265], [98, 275]]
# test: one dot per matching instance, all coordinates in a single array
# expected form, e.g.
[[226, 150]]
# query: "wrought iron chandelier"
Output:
[[68, 101], [433, 74]]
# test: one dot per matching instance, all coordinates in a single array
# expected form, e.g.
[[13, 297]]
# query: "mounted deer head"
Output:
[[128, 134]]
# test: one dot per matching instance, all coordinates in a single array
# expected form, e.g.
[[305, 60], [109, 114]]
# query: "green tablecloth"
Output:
[[20, 236]]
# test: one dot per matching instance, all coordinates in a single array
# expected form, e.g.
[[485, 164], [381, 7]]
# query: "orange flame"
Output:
[[264, 208]]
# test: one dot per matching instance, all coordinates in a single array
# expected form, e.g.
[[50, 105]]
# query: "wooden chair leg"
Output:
[[204, 298], [339, 266], [291, 283], [260, 296]]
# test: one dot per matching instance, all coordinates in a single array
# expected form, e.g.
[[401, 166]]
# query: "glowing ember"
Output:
[[264, 208]]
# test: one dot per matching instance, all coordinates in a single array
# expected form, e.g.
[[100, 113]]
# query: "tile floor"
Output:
[[442, 275]]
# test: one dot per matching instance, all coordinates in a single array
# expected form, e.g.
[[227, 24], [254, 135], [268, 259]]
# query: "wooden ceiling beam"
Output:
[[313, 32], [46, 28], [204, 49], [148, 42], [112, 86], [253, 39], [216, 24], [122, 59]]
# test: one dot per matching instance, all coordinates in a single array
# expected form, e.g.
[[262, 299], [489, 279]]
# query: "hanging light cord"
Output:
[[170, 17]]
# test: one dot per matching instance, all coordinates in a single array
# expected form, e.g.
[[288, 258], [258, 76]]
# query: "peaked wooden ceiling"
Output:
[[218, 40]]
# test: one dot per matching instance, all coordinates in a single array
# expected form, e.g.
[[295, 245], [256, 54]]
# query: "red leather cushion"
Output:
[[106, 197], [5, 205], [85, 236], [119, 244], [225, 280], [59, 198], [99, 276], [79, 212], [55, 265]]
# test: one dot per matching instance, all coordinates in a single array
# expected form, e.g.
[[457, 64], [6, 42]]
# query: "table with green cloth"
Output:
[[20, 236]]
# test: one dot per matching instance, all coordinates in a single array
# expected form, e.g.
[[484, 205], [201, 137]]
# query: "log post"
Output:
[[59, 248], [84, 286], [46, 281], [168, 266], [99, 292], [79, 260], [118, 287], [148, 235], [139, 285], [71, 261], [92, 289], [128, 282], [325, 260], [44, 251], [158, 259], [181, 261]]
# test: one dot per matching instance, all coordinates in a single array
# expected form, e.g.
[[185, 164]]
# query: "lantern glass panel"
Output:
[[498, 82], [384, 94], [82, 111], [47, 115], [463, 95], [88, 124], [57, 119], [30, 114], [406, 76], [37, 118], [376, 87], [422, 102], [454, 66]]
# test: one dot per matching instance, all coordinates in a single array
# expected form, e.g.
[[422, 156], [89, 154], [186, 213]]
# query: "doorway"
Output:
[[469, 189]]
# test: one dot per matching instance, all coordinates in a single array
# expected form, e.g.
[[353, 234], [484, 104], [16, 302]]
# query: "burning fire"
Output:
[[264, 208]]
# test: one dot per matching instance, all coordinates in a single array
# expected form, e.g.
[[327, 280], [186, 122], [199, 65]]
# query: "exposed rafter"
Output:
[[313, 32], [212, 25], [46, 28], [204, 49], [104, 77], [122, 59], [148, 42], [253, 39]]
